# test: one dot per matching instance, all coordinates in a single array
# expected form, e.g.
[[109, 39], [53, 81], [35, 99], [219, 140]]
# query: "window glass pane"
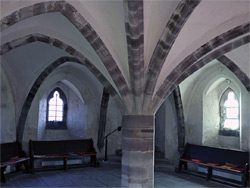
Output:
[[52, 118], [52, 101], [55, 108], [59, 108], [231, 124], [59, 114], [231, 112], [52, 107], [59, 118], [52, 113], [59, 101]]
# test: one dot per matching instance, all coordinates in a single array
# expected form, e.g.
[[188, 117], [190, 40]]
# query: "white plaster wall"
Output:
[[171, 134], [24, 65], [80, 123], [84, 95], [160, 125], [113, 120], [201, 93], [7, 111], [166, 135], [76, 117]]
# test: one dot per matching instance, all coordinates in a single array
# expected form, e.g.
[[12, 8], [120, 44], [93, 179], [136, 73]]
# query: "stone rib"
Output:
[[236, 70], [173, 27], [190, 64], [79, 58], [135, 45], [79, 22], [59, 44]]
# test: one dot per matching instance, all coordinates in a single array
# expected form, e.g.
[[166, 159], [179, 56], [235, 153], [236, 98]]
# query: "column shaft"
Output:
[[138, 151]]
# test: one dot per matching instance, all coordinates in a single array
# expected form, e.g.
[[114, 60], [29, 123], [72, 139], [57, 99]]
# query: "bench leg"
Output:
[[18, 166], [32, 166], [209, 173], [244, 179], [65, 163], [3, 180], [26, 166], [93, 160], [182, 163]]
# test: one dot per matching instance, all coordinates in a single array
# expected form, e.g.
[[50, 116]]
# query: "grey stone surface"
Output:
[[100, 177]]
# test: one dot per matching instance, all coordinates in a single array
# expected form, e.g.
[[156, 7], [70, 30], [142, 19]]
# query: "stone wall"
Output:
[[7, 111], [83, 92], [202, 92], [166, 135]]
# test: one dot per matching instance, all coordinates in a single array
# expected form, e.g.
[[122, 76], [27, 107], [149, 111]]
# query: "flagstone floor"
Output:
[[100, 177]]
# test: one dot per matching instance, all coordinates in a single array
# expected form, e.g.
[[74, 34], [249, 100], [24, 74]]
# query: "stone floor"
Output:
[[99, 177]]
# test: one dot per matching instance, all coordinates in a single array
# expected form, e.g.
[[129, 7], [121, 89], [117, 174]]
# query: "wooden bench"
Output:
[[12, 154], [62, 150], [216, 158]]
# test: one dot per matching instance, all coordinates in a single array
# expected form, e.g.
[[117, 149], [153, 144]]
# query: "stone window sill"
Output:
[[56, 125], [229, 132]]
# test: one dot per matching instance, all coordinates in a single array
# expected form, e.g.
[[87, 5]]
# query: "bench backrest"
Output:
[[61, 146], [9, 150], [216, 155]]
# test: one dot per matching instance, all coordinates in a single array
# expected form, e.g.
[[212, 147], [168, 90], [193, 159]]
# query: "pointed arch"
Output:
[[31, 94], [71, 13], [165, 43], [211, 50]]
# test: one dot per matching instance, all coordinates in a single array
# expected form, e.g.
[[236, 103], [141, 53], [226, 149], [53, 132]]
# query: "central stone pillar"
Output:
[[138, 151]]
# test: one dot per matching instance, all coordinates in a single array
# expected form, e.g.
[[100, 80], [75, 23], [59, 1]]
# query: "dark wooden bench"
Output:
[[12, 154], [62, 150], [234, 161]]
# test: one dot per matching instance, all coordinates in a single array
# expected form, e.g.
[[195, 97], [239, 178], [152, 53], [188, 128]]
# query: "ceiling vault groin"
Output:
[[84, 28], [236, 70], [211, 50], [161, 51], [133, 11], [78, 58], [32, 93], [61, 45]]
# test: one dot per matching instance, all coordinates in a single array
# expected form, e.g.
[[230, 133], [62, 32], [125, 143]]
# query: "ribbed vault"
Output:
[[139, 56]]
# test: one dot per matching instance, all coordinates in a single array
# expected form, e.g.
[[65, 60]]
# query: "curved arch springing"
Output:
[[84, 28], [165, 43], [190, 64], [36, 86]]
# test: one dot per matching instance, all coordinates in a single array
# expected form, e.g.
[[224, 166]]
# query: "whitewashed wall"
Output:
[[202, 93]]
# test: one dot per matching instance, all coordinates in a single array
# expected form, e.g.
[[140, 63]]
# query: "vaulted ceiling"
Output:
[[139, 50]]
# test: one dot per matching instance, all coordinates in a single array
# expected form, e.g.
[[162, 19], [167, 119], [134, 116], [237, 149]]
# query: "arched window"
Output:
[[56, 109], [229, 114]]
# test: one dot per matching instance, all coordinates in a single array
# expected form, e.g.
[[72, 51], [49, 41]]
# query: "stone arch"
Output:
[[59, 44], [165, 43], [35, 87], [70, 12], [206, 53]]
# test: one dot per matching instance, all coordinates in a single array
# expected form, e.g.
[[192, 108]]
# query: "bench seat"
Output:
[[216, 158], [12, 154], [62, 149]]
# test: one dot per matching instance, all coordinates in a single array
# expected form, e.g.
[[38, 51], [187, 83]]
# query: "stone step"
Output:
[[110, 163], [161, 161], [159, 155], [161, 164], [118, 152], [164, 168], [115, 158]]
